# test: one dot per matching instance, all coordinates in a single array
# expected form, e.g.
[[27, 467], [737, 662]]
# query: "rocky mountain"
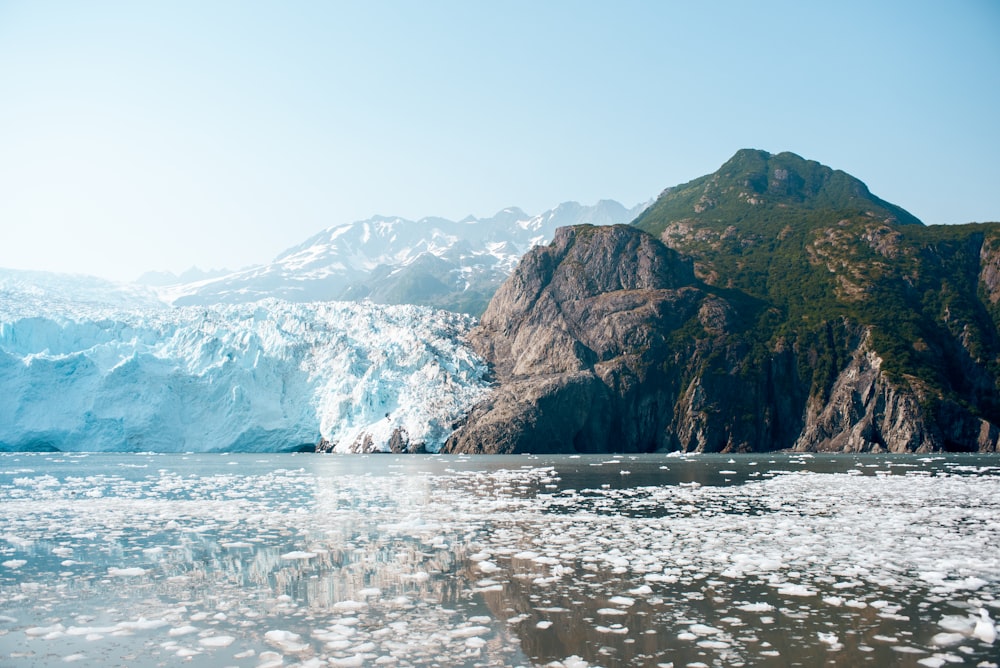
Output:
[[432, 262], [774, 304]]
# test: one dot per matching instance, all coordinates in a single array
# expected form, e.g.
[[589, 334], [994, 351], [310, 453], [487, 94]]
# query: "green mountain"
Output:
[[815, 316], [818, 249]]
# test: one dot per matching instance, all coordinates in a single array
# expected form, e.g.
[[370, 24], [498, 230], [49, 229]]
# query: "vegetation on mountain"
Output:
[[826, 318], [826, 256]]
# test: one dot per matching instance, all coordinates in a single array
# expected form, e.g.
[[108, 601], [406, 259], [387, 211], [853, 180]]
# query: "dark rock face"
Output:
[[605, 341], [583, 339]]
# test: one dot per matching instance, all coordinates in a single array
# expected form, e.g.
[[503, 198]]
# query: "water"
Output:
[[254, 560]]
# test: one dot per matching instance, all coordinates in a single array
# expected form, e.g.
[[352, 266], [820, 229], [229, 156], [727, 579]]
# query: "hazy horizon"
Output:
[[158, 137]]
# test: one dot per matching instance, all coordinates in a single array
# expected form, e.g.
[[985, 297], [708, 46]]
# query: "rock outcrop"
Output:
[[605, 341]]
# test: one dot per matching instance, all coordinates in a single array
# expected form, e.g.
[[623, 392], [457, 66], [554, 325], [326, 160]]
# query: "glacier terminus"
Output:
[[111, 371]]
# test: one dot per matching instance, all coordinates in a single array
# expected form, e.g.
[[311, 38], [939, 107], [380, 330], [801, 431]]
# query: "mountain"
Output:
[[86, 368], [192, 275], [433, 261], [774, 304]]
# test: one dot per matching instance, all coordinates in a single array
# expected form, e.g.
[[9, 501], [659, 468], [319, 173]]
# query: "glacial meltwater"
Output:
[[322, 560]]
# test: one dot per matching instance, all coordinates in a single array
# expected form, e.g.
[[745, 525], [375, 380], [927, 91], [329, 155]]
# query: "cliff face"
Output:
[[606, 341], [591, 343]]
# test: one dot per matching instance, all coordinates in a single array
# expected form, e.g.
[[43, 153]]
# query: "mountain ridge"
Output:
[[389, 259], [816, 317]]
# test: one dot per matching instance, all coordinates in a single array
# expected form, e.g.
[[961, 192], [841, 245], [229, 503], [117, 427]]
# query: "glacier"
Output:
[[91, 367], [259, 359]]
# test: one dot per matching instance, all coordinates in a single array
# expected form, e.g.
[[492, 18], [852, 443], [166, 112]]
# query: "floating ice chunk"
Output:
[[931, 661], [611, 611], [142, 624], [569, 662], [35, 631], [544, 624], [286, 641], [622, 600], [132, 572], [614, 628], [182, 631], [985, 630], [958, 624], [217, 641], [713, 644], [703, 630], [79, 656], [14, 563], [270, 660], [487, 566], [641, 590], [355, 661], [468, 631], [298, 554], [755, 607], [370, 592], [349, 606], [906, 649], [788, 589], [830, 639], [945, 639]]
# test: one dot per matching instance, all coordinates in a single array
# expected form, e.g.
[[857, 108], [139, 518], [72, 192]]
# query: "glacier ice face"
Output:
[[127, 375]]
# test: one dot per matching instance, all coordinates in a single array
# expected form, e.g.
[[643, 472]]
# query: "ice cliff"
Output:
[[110, 370]]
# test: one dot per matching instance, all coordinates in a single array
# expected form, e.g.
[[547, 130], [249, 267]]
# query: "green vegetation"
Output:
[[818, 260]]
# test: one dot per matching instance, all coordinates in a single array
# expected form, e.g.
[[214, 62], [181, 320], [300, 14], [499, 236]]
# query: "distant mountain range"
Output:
[[432, 261]]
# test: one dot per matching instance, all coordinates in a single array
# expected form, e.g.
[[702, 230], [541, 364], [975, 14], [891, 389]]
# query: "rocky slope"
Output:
[[779, 305]]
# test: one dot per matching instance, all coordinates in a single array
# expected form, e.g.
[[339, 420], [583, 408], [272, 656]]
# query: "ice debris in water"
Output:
[[322, 565]]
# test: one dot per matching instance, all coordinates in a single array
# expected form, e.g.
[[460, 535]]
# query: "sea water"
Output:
[[654, 560]]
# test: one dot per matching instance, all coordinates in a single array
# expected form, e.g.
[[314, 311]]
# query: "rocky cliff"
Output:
[[832, 322]]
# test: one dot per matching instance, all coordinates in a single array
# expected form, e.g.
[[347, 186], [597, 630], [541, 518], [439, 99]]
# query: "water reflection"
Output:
[[411, 560]]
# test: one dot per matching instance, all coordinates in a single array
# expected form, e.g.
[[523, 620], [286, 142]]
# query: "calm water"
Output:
[[268, 560]]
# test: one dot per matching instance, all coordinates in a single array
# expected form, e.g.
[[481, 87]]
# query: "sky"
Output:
[[140, 136]]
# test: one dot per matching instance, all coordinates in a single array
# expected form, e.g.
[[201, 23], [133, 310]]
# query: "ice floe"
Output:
[[404, 561]]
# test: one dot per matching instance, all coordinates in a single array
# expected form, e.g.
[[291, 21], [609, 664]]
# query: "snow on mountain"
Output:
[[252, 360], [432, 261], [120, 372]]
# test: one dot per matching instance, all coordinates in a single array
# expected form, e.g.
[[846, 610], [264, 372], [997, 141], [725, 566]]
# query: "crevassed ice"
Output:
[[269, 375]]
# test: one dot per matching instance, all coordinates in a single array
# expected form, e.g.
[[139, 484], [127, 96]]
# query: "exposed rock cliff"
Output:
[[606, 341]]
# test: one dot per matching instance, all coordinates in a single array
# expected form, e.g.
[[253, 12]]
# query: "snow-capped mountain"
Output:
[[87, 367], [431, 261]]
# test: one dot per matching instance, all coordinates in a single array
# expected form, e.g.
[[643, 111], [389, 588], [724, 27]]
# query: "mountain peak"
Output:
[[755, 188]]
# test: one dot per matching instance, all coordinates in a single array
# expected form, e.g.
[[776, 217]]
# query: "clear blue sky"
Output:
[[161, 135]]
